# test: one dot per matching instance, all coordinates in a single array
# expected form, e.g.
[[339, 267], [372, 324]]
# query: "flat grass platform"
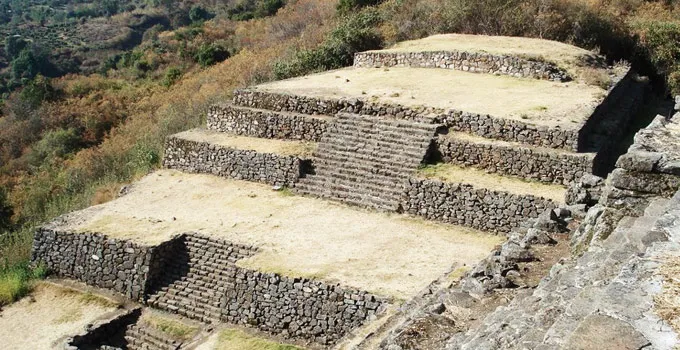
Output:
[[538, 102], [302, 149], [480, 178], [391, 255], [564, 55], [49, 315]]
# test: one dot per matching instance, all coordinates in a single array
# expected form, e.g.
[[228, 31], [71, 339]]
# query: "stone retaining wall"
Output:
[[463, 204], [475, 62], [95, 259], [479, 124], [265, 124], [543, 165], [293, 307], [202, 157]]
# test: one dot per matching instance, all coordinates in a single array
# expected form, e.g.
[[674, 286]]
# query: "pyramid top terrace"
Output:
[[536, 102]]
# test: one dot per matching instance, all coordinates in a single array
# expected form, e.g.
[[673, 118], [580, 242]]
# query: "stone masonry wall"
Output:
[[504, 158], [95, 259], [290, 306], [202, 157], [475, 62], [479, 124], [265, 124], [463, 204]]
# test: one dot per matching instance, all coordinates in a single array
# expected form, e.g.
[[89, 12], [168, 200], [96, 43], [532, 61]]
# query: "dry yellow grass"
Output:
[[482, 179], [537, 102], [667, 303], [302, 149], [172, 327], [391, 255], [45, 318]]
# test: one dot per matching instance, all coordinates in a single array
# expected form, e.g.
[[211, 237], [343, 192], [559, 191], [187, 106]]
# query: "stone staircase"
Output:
[[365, 161], [141, 337], [197, 279], [582, 302]]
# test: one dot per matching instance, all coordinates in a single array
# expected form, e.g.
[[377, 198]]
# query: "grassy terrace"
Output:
[[301, 149], [480, 178], [539, 102], [391, 255], [575, 60]]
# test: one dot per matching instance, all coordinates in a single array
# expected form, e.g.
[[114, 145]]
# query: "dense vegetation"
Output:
[[90, 114]]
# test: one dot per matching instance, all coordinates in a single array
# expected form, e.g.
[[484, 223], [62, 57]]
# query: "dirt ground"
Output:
[[45, 318], [480, 178], [284, 147], [532, 101], [392, 255]]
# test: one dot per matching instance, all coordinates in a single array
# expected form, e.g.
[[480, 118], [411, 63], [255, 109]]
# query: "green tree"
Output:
[[25, 66], [14, 44], [38, 90], [6, 212], [209, 54], [198, 14]]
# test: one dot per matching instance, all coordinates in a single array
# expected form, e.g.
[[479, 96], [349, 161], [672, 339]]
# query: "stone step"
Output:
[[388, 124], [371, 156], [350, 158], [373, 133], [377, 189], [368, 172], [377, 146], [144, 338], [346, 198], [333, 164]]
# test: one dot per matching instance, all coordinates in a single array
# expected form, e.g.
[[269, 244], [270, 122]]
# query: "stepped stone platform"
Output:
[[276, 162], [499, 55], [295, 236]]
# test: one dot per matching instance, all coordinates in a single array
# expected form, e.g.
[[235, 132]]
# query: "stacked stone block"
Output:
[[204, 283], [95, 259], [266, 124], [203, 157], [366, 161], [533, 163], [473, 62], [463, 204]]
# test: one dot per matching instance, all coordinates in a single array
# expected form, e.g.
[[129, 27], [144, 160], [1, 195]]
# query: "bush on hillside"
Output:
[[209, 54], [171, 76], [6, 212], [59, 143], [345, 6], [354, 34], [661, 42], [17, 281]]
